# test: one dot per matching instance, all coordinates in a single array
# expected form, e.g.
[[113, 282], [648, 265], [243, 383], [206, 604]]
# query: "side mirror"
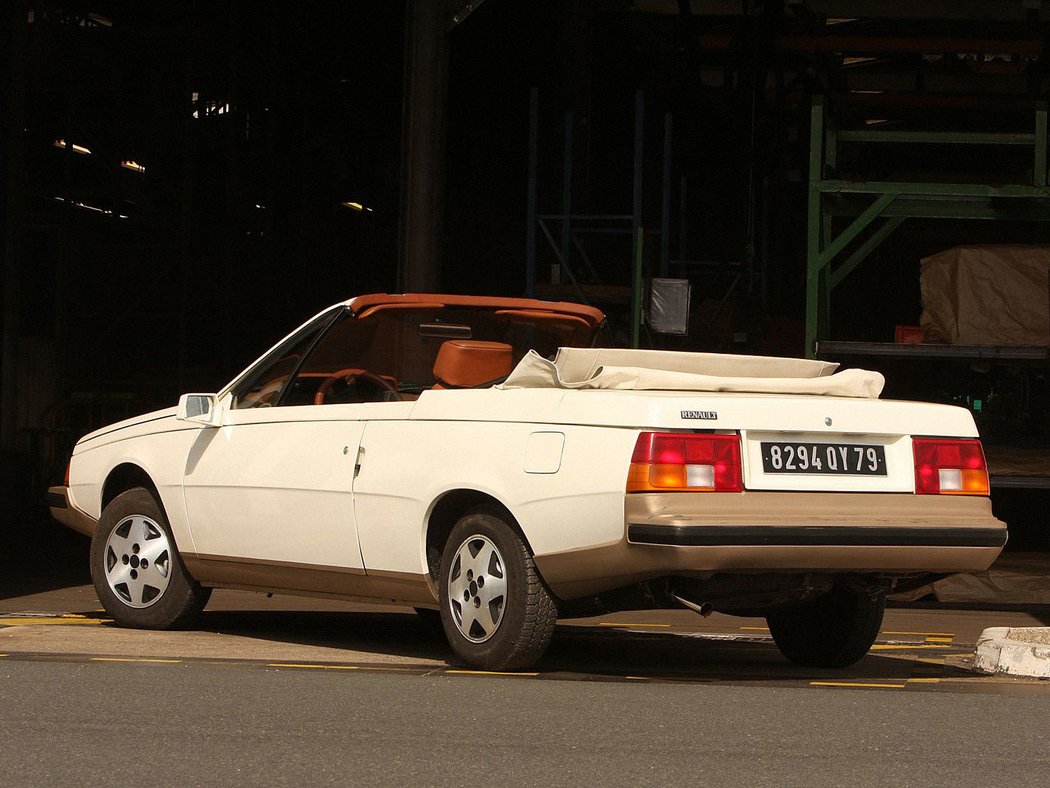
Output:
[[200, 408]]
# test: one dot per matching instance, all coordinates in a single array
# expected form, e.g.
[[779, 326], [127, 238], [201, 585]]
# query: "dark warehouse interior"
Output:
[[184, 182]]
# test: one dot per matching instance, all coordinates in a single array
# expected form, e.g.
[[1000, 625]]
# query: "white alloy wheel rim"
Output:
[[477, 588], [138, 561]]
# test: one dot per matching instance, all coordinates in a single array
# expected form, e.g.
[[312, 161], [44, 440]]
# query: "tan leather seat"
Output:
[[471, 363]]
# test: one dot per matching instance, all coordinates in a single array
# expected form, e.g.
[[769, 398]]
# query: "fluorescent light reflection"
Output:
[[76, 148], [356, 206], [93, 208]]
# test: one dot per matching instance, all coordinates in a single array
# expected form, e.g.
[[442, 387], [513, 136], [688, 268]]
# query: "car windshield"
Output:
[[402, 343], [388, 351]]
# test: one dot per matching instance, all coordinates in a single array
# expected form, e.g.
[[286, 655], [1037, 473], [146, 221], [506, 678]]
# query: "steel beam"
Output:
[[1039, 174], [13, 228], [914, 188], [530, 210], [898, 200], [665, 219], [870, 245], [854, 229], [566, 193], [424, 129], [937, 137], [814, 222], [636, 221], [899, 45], [949, 208]]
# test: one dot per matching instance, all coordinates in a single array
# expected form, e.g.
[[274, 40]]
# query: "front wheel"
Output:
[[136, 569], [833, 631], [495, 609]]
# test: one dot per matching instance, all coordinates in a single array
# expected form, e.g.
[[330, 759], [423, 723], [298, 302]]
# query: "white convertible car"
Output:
[[481, 458]]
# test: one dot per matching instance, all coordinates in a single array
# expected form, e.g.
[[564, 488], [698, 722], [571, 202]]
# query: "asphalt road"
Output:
[[301, 691], [119, 724]]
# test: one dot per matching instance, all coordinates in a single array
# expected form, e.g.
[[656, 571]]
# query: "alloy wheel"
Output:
[[138, 561], [477, 588]]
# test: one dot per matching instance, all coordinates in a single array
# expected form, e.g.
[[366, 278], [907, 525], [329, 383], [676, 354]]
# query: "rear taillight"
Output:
[[685, 461], [949, 467], [65, 479]]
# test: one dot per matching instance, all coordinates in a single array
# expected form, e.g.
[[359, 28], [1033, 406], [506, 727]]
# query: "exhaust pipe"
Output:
[[705, 609]]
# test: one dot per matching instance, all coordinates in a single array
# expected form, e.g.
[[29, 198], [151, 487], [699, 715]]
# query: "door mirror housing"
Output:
[[200, 408]]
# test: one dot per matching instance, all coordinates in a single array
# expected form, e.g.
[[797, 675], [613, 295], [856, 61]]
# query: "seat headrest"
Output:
[[470, 363]]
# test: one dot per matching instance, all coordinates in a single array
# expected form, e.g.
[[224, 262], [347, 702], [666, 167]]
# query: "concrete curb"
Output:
[[1014, 652]]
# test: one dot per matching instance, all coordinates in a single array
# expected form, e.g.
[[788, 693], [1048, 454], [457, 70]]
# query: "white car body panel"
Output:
[[274, 490], [351, 488], [252, 484], [159, 446], [579, 506]]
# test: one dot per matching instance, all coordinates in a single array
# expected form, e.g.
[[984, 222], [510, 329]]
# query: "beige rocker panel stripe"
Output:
[[402, 588]]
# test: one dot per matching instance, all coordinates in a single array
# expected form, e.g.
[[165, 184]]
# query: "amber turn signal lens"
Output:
[[950, 467], [685, 461]]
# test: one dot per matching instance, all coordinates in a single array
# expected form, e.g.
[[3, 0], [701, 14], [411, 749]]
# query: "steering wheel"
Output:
[[348, 376]]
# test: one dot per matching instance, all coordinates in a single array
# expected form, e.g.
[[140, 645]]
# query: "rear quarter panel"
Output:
[[407, 467], [476, 440]]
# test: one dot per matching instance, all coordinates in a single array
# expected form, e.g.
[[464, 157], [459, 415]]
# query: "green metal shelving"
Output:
[[877, 208]]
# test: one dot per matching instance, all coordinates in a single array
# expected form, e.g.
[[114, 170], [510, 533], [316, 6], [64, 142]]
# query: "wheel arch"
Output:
[[127, 476], [447, 511]]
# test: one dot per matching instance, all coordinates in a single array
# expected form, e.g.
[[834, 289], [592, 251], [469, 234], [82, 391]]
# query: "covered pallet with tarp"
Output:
[[987, 295]]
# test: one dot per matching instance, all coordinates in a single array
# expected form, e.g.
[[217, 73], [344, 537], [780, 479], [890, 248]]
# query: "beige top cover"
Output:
[[666, 370], [987, 295]]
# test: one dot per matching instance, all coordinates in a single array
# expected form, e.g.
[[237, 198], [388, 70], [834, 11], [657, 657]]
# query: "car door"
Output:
[[272, 487]]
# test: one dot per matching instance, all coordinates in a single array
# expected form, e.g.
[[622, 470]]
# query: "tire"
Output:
[[135, 566], [834, 631], [495, 609]]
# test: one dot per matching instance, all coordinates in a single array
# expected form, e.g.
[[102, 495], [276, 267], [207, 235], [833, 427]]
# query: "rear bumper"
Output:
[[63, 510], [815, 536], [759, 532]]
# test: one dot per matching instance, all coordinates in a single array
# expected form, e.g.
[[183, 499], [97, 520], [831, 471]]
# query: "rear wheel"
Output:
[[136, 569], [495, 609], [833, 631]]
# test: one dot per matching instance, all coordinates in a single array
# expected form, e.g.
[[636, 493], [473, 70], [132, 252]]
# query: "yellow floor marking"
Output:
[[490, 673], [924, 634], [756, 629], [376, 667], [629, 678], [3, 655], [334, 667], [618, 624], [909, 647], [930, 639], [56, 620], [855, 684], [923, 681], [134, 659]]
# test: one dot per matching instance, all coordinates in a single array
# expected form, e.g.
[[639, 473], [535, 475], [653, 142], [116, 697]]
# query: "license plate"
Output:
[[827, 458]]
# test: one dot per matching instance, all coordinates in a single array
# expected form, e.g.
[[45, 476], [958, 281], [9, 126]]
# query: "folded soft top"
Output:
[[665, 370]]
